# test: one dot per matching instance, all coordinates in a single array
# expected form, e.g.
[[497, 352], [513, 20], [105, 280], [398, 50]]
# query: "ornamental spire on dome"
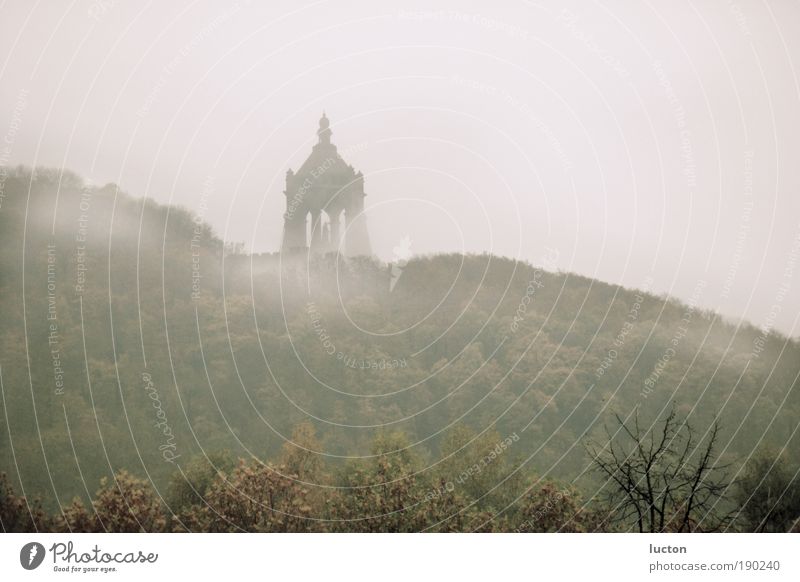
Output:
[[324, 132]]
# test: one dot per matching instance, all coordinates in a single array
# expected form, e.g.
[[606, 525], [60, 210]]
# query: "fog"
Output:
[[646, 145]]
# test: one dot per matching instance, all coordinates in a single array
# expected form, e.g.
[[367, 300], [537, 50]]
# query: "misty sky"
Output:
[[637, 139]]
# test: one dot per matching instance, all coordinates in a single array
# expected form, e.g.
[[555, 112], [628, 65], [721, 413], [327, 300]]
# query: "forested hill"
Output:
[[130, 339]]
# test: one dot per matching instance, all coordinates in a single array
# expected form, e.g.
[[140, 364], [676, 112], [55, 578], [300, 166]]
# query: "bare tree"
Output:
[[662, 478]]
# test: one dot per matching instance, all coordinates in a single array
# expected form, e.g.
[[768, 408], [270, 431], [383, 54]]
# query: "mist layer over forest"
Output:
[[135, 339]]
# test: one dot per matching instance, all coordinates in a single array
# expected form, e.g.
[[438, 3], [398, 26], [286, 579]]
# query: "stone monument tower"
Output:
[[324, 199]]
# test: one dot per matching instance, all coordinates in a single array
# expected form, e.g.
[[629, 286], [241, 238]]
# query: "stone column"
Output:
[[335, 217], [316, 229]]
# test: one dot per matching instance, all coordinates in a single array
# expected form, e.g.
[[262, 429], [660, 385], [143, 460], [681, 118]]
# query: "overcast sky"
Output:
[[638, 139]]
